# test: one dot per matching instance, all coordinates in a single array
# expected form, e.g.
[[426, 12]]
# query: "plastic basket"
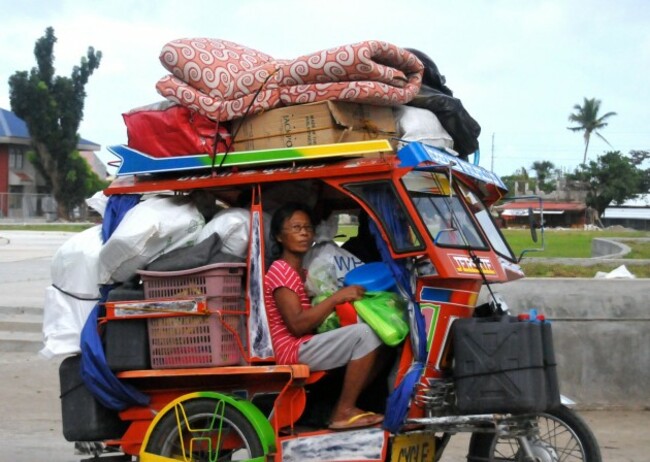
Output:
[[194, 341], [221, 283]]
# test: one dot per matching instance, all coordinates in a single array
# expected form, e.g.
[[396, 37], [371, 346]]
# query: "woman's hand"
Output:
[[301, 322], [348, 294]]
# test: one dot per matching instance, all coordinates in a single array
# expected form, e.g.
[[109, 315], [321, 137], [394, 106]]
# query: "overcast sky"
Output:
[[518, 66]]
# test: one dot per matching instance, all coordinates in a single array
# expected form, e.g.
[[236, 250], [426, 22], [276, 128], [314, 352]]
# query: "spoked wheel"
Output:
[[205, 430], [563, 437]]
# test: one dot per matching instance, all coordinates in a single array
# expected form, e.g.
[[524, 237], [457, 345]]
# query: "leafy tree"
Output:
[[544, 170], [612, 178], [588, 120], [638, 158], [52, 107], [520, 177]]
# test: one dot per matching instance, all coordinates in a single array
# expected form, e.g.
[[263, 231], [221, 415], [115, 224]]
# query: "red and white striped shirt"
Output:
[[285, 344]]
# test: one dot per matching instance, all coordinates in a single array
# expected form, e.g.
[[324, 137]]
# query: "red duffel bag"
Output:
[[167, 129]]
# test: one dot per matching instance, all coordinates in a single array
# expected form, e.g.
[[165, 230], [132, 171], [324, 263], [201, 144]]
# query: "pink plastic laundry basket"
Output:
[[194, 341], [197, 341], [221, 283]]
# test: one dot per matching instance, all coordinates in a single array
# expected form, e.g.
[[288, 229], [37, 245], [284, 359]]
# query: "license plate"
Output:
[[413, 447]]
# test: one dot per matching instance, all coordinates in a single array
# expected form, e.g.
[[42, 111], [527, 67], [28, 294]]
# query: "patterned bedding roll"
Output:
[[222, 79]]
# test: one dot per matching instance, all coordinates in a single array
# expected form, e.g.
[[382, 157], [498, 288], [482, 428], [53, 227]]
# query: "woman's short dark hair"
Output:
[[279, 217]]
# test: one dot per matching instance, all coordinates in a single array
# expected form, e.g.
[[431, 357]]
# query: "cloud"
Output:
[[517, 66]]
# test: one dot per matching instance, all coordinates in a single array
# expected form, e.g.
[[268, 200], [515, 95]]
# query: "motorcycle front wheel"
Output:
[[563, 437]]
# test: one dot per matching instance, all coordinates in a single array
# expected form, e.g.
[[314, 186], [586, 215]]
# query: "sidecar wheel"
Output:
[[563, 436], [205, 431]]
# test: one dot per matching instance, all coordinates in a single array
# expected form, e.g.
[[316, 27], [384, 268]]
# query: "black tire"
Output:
[[209, 419], [562, 430]]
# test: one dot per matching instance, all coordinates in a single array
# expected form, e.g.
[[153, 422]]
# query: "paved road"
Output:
[[25, 266], [30, 428]]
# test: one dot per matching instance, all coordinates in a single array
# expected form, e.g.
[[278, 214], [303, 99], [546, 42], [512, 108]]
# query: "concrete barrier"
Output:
[[601, 329], [608, 248]]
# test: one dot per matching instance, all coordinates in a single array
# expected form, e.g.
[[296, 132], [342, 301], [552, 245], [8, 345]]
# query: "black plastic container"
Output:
[[84, 418], [125, 292], [504, 366], [126, 344], [553, 400]]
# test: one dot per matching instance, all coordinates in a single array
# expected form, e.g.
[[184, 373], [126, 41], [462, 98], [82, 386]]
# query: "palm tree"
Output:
[[543, 170], [586, 116]]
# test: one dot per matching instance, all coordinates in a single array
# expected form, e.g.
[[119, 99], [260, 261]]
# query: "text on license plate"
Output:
[[414, 447]]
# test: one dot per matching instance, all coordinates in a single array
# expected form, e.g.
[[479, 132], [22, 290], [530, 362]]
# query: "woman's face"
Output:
[[297, 234]]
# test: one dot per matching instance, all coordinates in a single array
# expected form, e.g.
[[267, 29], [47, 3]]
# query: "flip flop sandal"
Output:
[[358, 421]]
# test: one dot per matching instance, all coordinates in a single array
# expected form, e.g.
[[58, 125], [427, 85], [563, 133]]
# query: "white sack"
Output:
[[233, 227], [63, 319], [418, 124], [150, 229], [98, 202], [75, 265]]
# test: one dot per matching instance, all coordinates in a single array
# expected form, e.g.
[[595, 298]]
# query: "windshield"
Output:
[[482, 215], [446, 218]]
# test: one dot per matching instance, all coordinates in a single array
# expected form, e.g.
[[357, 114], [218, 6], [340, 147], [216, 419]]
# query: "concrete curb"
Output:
[[608, 248]]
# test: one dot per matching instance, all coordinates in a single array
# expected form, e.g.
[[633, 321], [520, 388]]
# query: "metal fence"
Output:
[[27, 207]]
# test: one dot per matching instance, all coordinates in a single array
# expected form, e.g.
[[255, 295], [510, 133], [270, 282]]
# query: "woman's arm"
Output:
[[302, 322]]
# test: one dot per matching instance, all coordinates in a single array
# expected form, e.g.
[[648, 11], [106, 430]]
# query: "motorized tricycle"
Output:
[[464, 366]]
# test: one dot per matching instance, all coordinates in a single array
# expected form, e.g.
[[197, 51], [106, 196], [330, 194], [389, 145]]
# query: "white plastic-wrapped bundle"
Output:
[[73, 294], [64, 316], [98, 202], [150, 229], [232, 225], [75, 265], [417, 124]]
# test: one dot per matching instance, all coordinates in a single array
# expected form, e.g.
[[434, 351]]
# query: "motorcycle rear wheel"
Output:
[[563, 437]]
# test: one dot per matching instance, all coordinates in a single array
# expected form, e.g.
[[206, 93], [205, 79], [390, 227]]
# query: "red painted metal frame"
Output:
[[288, 381]]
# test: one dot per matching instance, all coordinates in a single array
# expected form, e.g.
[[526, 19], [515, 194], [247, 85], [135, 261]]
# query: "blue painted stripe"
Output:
[[431, 294]]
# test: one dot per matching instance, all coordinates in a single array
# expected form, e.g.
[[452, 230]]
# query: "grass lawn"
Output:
[[575, 244], [67, 227], [572, 243], [538, 269]]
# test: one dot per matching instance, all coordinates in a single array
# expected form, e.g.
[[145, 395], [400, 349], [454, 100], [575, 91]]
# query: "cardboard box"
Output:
[[324, 122]]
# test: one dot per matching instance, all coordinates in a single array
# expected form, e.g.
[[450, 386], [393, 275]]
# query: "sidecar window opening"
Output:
[[382, 198]]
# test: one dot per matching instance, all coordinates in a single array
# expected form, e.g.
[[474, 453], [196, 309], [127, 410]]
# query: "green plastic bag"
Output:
[[384, 312], [331, 322]]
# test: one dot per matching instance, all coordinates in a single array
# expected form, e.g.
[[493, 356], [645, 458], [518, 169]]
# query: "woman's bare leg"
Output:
[[358, 375]]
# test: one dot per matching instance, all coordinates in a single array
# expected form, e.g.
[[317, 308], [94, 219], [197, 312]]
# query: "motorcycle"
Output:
[[430, 220]]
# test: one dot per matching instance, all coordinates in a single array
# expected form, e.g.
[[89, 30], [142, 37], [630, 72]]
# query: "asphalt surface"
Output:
[[30, 428]]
